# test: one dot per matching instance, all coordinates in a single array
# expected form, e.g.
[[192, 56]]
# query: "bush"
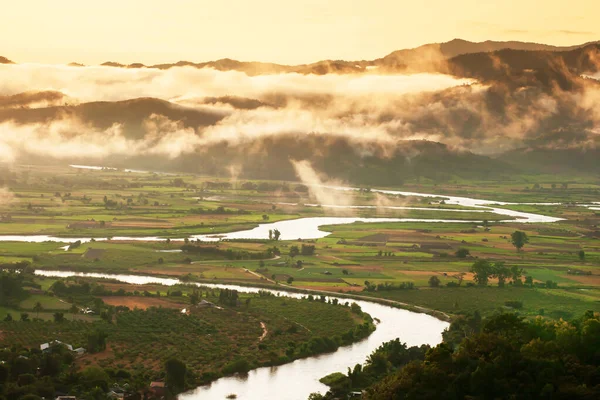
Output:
[[434, 281], [462, 253], [240, 365], [514, 304]]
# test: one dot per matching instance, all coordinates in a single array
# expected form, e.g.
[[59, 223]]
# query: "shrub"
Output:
[[514, 304]]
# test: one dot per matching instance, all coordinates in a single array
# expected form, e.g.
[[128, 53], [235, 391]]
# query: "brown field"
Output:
[[94, 253], [93, 359], [585, 279], [334, 288], [131, 288], [141, 224], [139, 302]]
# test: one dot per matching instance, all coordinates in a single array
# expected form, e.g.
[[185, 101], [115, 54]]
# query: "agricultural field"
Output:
[[217, 337], [392, 260]]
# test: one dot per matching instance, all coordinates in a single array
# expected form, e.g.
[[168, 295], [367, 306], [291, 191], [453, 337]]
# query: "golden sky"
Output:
[[284, 31]]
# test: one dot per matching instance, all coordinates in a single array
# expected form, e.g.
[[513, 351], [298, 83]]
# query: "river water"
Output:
[[296, 380], [308, 228]]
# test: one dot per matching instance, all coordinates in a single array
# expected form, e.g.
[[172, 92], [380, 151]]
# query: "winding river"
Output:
[[296, 380], [308, 228]]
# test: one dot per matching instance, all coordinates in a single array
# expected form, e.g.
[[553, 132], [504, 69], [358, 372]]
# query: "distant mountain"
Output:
[[426, 58], [555, 161], [131, 114], [28, 99], [526, 67], [531, 99], [4, 60], [443, 51]]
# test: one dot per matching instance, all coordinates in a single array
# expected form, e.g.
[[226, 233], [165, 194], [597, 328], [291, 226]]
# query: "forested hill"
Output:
[[502, 357]]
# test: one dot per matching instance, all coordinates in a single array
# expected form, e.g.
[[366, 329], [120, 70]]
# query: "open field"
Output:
[[91, 203]]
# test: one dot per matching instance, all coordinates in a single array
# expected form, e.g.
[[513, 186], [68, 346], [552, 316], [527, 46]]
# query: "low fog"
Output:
[[94, 113]]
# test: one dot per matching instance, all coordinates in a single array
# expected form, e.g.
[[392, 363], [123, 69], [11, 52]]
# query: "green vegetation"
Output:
[[503, 356], [222, 332], [455, 268]]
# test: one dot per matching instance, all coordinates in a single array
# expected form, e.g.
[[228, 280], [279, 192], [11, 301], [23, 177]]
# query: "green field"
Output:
[[101, 204]]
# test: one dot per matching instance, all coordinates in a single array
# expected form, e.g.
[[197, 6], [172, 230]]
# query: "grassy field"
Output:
[[78, 203]]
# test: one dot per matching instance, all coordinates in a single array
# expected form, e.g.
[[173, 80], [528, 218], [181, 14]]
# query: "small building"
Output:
[[205, 304], [47, 346], [66, 398], [158, 389], [80, 351]]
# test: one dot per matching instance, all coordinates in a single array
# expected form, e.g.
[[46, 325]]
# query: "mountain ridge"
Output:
[[428, 55]]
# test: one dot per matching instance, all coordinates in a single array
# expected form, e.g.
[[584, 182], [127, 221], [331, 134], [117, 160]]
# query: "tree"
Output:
[[294, 251], [8, 317], [73, 310], [581, 255], [519, 239], [270, 234], [290, 280], [307, 249], [59, 317], [434, 281], [462, 253], [24, 317], [276, 234], [96, 341], [501, 272], [194, 298], [176, 371], [516, 273], [37, 308], [482, 270], [460, 277], [529, 281]]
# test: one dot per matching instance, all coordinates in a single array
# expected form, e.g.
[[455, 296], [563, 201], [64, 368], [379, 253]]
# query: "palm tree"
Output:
[[37, 308], [74, 310]]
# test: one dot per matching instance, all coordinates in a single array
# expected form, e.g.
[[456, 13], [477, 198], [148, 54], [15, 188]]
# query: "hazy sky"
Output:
[[152, 31]]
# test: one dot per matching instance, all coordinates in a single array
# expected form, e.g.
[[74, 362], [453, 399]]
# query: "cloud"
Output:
[[575, 33], [317, 185], [371, 113], [113, 84], [33, 99]]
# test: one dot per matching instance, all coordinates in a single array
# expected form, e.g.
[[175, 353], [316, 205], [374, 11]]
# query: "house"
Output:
[[47, 346], [80, 351], [204, 304], [66, 398], [116, 394]]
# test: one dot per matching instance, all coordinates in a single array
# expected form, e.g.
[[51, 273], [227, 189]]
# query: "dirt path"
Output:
[[259, 275], [265, 331]]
